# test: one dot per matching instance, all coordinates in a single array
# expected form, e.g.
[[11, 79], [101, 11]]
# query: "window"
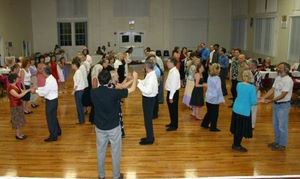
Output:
[[266, 6], [26, 48], [72, 18], [72, 9], [131, 8], [240, 8], [294, 42], [238, 33], [264, 36], [297, 5], [125, 38], [81, 33], [64, 34], [190, 22], [138, 39]]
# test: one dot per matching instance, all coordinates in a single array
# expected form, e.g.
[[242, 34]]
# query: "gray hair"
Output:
[[287, 66], [150, 63], [47, 70], [253, 62]]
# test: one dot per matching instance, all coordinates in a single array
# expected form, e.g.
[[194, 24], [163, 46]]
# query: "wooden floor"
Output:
[[189, 152]]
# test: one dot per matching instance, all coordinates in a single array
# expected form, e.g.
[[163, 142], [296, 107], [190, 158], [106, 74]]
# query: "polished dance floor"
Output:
[[189, 152]]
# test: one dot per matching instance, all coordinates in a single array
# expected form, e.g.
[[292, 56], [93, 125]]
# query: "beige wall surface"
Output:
[[284, 8], [15, 24], [102, 24]]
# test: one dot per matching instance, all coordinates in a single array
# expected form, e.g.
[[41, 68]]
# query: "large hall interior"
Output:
[[149, 89]]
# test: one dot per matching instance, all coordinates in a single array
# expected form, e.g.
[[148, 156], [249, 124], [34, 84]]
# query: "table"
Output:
[[295, 74], [272, 74], [4, 71]]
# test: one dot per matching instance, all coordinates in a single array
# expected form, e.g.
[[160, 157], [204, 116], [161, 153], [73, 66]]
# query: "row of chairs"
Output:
[[159, 54]]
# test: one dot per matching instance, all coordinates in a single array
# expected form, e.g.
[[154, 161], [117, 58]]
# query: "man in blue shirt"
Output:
[[224, 63], [158, 74], [204, 53]]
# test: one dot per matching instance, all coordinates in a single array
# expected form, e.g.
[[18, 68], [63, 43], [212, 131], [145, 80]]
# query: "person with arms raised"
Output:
[[149, 89], [106, 102]]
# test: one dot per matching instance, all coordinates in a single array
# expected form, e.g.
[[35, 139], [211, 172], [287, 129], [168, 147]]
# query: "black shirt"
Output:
[[106, 103], [121, 72], [215, 58]]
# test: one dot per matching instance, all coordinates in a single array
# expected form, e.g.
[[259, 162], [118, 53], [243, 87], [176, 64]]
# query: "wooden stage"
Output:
[[189, 152]]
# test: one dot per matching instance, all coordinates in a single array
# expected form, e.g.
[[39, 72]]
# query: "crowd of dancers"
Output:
[[103, 86]]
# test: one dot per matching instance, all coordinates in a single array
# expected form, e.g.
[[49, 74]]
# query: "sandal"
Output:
[[34, 105], [27, 112], [21, 138]]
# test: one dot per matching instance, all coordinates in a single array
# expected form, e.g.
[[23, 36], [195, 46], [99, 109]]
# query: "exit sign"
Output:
[[131, 24]]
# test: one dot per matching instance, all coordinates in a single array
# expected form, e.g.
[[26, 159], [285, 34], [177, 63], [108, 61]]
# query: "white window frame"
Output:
[[59, 34], [261, 50], [244, 46], [73, 38], [290, 58]]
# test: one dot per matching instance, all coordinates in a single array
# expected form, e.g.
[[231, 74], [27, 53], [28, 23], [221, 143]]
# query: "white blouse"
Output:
[[78, 81], [27, 77]]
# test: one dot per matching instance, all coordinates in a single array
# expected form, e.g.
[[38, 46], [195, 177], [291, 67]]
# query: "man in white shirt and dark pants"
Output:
[[50, 93], [149, 89], [173, 86], [282, 90]]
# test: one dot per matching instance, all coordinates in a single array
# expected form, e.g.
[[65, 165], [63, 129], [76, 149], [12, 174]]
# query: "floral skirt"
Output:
[[17, 117]]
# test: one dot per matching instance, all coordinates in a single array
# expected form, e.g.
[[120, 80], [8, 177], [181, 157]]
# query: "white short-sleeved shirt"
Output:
[[117, 64], [78, 80], [83, 70], [89, 59], [283, 84]]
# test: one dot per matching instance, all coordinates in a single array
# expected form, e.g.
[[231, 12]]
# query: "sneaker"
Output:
[[270, 145], [278, 148]]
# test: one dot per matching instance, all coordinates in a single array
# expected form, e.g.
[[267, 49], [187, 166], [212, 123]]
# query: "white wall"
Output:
[[220, 22], [44, 27], [102, 24], [15, 24], [284, 7]]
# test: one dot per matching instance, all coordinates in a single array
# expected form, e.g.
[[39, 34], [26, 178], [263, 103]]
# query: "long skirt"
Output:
[[17, 117], [241, 125], [188, 92], [34, 96]]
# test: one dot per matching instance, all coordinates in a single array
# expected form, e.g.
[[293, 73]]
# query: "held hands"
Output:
[[129, 76], [135, 75], [33, 90], [264, 100]]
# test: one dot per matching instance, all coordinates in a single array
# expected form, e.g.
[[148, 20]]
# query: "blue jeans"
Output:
[[114, 137], [280, 122], [79, 106]]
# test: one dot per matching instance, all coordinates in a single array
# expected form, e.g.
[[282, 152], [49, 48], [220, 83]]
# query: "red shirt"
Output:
[[14, 102], [54, 70]]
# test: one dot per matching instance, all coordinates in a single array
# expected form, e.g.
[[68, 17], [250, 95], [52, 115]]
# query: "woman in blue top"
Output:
[[214, 97], [241, 115]]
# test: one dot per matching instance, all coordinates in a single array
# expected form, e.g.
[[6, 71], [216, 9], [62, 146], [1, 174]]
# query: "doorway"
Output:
[[135, 40]]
